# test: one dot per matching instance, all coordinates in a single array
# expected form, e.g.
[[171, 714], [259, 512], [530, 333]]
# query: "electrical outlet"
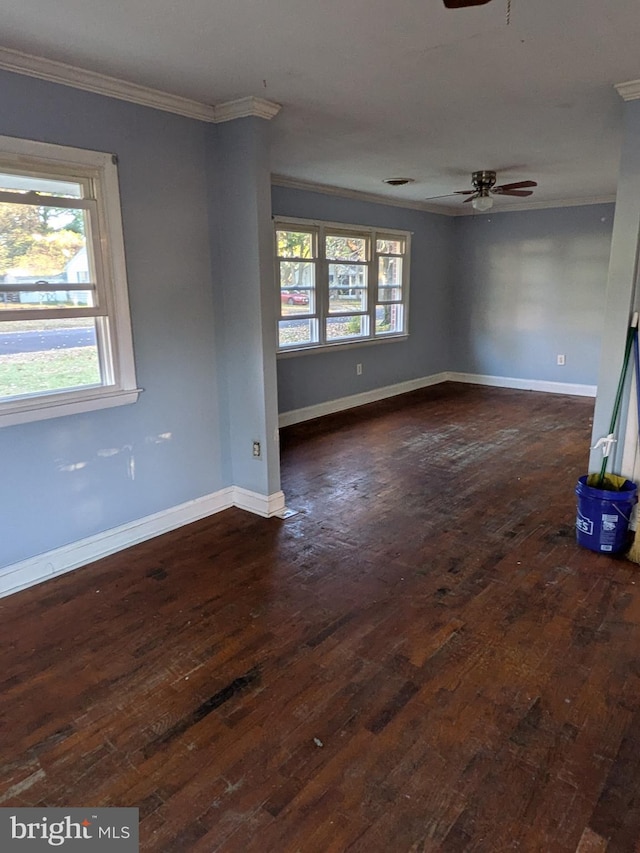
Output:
[[257, 453], [358, 370], [560, 360]]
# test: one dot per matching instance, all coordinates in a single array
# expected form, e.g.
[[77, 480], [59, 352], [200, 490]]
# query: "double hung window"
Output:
[[65, 335], [340, 284]]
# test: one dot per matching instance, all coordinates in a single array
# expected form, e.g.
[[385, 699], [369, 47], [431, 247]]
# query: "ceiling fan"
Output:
[[484, 188], [461, 4]]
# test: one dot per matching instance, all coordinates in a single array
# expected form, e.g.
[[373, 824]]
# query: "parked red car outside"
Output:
[[294, 297]]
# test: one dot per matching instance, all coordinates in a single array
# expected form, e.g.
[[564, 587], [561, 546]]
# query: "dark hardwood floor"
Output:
[[421, 659]]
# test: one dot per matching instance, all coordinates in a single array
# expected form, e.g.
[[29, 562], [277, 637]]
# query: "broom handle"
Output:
[[636, 364], [631, 333]]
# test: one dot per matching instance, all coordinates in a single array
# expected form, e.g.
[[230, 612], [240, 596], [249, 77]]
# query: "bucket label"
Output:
[[608, 528], [584, 525]]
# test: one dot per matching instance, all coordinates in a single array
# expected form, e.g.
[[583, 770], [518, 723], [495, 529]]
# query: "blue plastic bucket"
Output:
[[602, 520]]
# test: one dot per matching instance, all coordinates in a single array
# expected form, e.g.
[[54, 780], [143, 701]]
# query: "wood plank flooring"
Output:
[[421, 659]]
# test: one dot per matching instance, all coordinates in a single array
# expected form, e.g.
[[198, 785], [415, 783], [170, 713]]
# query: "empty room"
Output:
[[314, 321]]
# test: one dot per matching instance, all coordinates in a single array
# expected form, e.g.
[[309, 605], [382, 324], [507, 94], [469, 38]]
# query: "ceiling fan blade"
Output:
[[471, 198], [464, 192], [521, 193], [461, 4], [518, 185]]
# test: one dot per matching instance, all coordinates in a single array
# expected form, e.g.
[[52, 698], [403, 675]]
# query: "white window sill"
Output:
[[342, 345], [39, 409]]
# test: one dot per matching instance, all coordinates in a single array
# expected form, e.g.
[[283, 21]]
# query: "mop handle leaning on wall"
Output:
[[633, 553], [631, 333]]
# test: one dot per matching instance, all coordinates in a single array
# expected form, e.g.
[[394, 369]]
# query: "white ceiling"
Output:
[[373, 89]]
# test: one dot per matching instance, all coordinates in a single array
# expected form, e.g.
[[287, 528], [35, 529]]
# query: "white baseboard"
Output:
[[296, 416], [42, 567], [264, 505], [525, 384]]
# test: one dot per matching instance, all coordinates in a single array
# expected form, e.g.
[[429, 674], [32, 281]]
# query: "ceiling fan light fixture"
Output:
[[482, 203]]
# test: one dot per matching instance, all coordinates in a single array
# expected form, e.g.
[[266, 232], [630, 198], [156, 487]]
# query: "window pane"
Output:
[[43, 249], [294, 244], [389, 294], [389, 279], [347, 288], [345, 302], [346, 248], [389, 319], [295, 302], [297, 275], [45, 186], [37, 356], [343, 328], [293, 333], [297, 287], [390, 247]]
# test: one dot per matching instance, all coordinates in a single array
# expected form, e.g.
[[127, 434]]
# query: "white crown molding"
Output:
[[628, 91], [539, 205], [101, 84], [244, 107], [375, 198], [327, 189], [113, 87]]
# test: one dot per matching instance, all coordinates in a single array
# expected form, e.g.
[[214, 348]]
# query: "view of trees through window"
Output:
[[339, 285], [45, 270], [38, 241]]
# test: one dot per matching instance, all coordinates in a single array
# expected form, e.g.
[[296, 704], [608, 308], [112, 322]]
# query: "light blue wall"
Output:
[[68, 478], [245, 284], [529, 285], [314, 378]]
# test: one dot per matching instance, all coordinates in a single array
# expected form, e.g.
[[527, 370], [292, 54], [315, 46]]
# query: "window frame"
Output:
[[319, 229], [97, 172]]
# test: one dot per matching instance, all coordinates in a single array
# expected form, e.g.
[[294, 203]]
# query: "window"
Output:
[[339, 284], [65, 333]]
